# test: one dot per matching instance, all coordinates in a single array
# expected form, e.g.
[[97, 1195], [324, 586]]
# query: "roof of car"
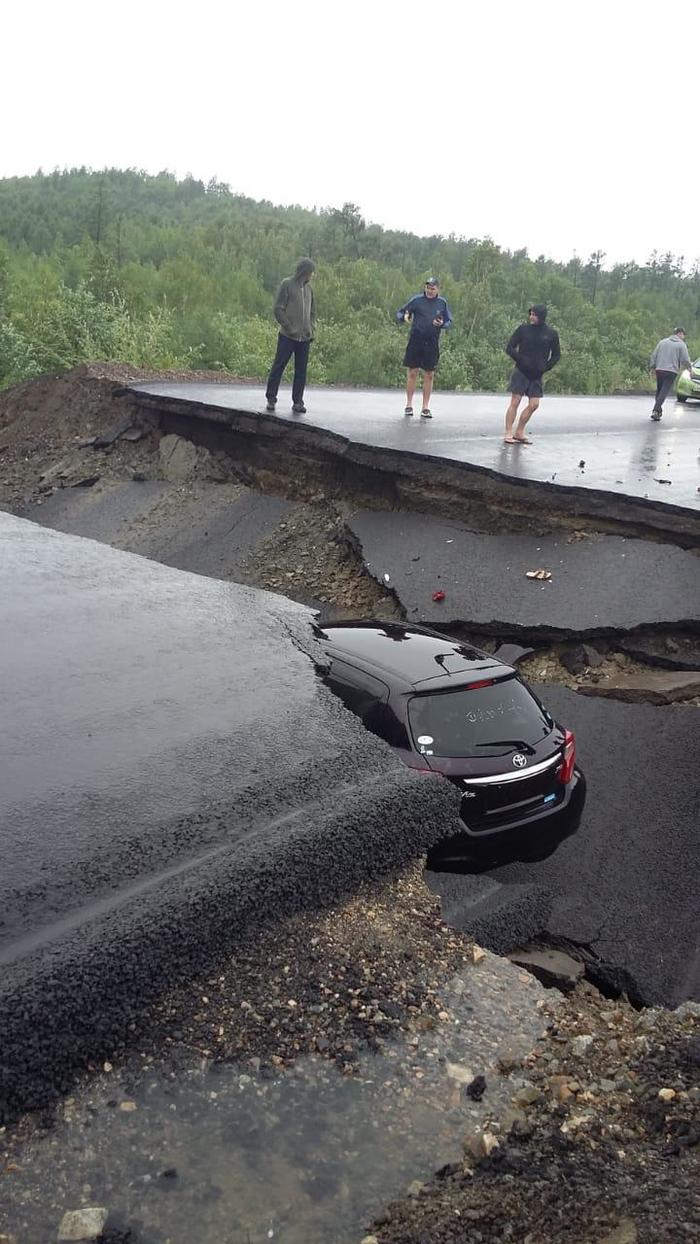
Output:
[[414, 655]]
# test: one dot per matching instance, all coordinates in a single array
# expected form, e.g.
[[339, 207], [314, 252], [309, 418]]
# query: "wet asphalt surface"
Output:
[[209, 531], [626, 884], [621, 449], [173, 772], [599, 583]]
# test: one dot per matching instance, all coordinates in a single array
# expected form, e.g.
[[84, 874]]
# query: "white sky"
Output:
[[556, 126]]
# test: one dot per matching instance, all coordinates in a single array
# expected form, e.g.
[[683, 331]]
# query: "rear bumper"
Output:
[[525, 833]]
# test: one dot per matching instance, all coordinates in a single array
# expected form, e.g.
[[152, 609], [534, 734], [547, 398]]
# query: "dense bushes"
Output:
[[163, 273]]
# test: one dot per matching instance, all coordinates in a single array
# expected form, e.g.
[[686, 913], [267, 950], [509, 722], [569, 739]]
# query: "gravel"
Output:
[[600, 1145]]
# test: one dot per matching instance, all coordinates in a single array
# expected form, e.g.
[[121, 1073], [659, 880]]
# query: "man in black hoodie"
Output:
[[295, 312], [534, 348]]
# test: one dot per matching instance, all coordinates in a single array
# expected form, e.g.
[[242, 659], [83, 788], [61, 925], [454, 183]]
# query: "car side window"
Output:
[[367, 696], [359, 691], [383, 721]]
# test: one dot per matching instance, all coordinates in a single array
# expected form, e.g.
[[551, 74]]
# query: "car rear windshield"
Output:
[[478, 721]]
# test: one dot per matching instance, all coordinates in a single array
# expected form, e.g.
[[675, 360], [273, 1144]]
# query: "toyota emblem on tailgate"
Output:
[[519, 760]]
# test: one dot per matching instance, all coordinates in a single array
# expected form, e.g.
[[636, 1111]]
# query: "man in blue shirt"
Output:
[[427, 313]]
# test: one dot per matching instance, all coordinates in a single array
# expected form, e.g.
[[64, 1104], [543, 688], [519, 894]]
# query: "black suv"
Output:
[[451, 710]]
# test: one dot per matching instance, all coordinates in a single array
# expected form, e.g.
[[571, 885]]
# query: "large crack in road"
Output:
[[624, 577], [306, 515]]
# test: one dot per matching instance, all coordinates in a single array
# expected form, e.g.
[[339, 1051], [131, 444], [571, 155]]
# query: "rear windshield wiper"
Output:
[[506, 743]]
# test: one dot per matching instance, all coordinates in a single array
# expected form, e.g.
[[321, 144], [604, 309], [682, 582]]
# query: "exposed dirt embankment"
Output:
[[43, 420]]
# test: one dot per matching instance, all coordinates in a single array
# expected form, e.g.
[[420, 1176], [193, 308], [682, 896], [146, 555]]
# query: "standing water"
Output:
[[222, 1154]]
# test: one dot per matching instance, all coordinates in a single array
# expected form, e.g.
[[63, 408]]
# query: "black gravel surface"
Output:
[[625, 886]]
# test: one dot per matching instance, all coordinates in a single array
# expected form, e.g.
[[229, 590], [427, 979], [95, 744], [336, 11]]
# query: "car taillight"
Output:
[[566, 770]]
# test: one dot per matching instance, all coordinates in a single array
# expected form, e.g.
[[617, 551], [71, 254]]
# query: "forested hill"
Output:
[[166, 273]]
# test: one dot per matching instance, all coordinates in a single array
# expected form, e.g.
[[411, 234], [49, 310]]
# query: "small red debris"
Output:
[[438, 595]]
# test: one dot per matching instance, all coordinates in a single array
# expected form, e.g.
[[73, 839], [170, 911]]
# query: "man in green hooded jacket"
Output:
[[295, 312]]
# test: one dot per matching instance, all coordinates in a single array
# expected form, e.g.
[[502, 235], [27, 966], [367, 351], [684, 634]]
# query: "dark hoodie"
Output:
[[534, 348], [295, 306]]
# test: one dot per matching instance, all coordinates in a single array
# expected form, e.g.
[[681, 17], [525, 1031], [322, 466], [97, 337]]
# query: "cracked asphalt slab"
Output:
[[621, 449], [625, 886], [208, 529], [173, 774], [601, 583]]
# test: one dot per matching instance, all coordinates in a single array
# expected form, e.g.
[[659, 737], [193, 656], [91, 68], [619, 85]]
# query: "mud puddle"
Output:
[[237, 1154]]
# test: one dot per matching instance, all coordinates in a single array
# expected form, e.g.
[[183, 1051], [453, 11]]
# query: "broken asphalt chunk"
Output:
[[114, 434], [650, 687], [552, 967], [665, 653], [580, 658], [86, 482], [511, 654], [136, 432]]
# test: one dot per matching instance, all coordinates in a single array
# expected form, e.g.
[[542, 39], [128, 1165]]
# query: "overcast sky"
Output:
[[558, 127]]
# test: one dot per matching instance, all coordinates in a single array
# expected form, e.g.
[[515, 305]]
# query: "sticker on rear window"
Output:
[[425, 739]]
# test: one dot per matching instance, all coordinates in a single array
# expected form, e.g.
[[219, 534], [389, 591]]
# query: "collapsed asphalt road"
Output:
[[603, 444], [599, 583], [173, 773], [624, 887], [194, 516]]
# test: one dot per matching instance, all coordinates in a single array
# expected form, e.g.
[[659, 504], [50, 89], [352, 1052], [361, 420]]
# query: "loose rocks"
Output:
[[82, 1224]]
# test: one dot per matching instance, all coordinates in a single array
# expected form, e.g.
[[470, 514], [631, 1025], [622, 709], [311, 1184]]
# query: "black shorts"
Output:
[[520, 383], [422, 352]]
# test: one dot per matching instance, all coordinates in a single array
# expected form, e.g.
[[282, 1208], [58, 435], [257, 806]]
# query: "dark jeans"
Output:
[[664, 384], [286, 347]]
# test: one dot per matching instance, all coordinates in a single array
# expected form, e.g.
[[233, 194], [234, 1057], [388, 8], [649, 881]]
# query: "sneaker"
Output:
[[299, 408], [271, 403], [656, 415], [425, 414], [408, 410]]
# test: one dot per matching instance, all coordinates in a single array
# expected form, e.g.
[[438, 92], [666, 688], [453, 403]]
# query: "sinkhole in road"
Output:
[[240, 1153]]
